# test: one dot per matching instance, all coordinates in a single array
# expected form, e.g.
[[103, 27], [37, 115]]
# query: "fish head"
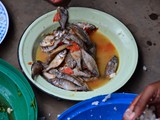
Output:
[[62, 17], [36, 68], [47, 41]]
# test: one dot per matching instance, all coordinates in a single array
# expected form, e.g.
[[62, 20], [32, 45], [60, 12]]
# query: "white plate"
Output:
[[4, 22], [119, 35]]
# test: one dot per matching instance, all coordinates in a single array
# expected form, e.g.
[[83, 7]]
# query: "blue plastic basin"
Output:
[[98, 109]]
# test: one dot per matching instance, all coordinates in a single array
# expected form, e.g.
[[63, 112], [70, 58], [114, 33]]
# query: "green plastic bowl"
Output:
[[17, 94]]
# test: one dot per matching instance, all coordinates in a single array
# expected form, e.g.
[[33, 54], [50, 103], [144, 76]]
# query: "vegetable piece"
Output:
[[67, 70], [57, 17], [74, 47]]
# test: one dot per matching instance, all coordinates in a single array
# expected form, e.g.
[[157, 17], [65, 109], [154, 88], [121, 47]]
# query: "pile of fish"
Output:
[[71, 55]]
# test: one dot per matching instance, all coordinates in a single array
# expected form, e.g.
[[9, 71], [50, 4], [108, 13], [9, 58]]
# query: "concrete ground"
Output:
[[142, 17]]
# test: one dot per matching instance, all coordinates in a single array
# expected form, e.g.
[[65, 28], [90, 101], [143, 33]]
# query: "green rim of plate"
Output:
[[17, 93], [116, 31]]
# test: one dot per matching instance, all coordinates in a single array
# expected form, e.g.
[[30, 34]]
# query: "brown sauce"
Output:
[[105, 51], [40, 55]]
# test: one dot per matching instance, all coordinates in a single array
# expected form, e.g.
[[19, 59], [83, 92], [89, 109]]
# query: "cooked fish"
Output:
[[59, 58], [71, 54], [89, 28], [48, 76], [80, 33], [75, 72], [67, 77], [56, 51], [92, 50], [61, 16], [47, 41], [78, 73], [77, 57], [69, 61], [90, 63], [67, 85], [88, 79], [112, 66], [50, 48], [73, 37], [37, 68], [52, 40]]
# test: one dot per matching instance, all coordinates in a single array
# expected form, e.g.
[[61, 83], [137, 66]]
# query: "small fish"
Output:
[[92, 50], [48, 76], [89, 79], [80, 33], [59, 33], [61, 16], [87, 45], [69, 61], [112, 66], [50, 48], [59, 58], [52, 40], [67, 77], [78, 73], [37, 68], [75, 38], [90, 63], [67, 85], [47, 41], [77, 57], [56, 51], [89, 28], [75, 72]]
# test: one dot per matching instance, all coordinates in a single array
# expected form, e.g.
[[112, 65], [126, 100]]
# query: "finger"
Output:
[[132, 105], [129, 115], [143, 100]]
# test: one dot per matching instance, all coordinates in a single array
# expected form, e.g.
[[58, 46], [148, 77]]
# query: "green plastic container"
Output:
[[17, 94]]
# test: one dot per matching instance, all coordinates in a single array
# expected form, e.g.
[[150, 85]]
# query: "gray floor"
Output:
[[142, 17]]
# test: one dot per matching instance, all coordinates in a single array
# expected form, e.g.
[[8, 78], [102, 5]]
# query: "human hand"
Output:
[[150, 96], [60, 2]]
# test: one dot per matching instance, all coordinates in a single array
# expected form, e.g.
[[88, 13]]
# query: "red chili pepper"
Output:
[[57, 17], [74, 47], [67, 70], [30, 63]]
